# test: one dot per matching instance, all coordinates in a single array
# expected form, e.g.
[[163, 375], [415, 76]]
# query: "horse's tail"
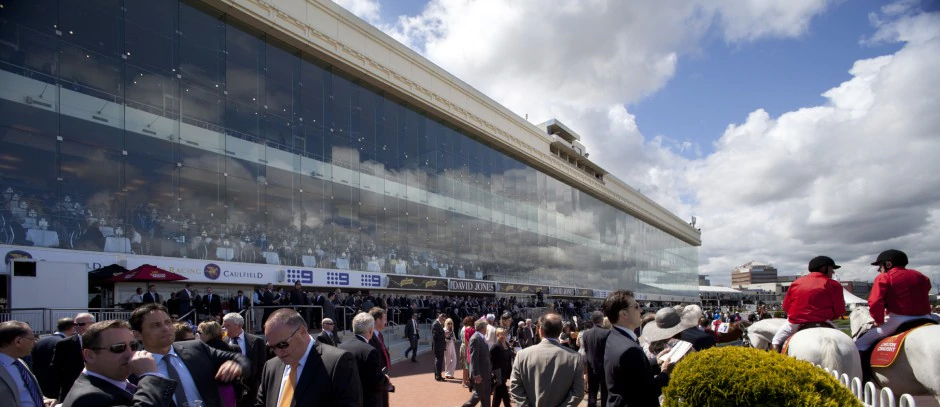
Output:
[[838, 359]]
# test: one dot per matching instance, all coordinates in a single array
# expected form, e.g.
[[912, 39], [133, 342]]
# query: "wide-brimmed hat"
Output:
[[668, 323]]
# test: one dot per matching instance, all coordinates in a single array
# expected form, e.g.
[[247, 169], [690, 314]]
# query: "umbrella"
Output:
[[147, 273], [106, 272]]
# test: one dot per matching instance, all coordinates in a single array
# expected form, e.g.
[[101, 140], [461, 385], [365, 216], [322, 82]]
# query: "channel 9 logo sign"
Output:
[[337, 278], [304, 276], [370, 280]]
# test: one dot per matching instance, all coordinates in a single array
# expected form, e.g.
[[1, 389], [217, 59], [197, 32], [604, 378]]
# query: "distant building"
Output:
[[860, 288], [787, 279], [703, 280], [753, 273]]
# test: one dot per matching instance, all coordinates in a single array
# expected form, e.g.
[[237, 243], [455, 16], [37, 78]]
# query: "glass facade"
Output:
[[165, 128]]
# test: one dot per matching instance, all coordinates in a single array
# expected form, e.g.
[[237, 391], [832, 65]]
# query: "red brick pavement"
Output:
[[415, 385]]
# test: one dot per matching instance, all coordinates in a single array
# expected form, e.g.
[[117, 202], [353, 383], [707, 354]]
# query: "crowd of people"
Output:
[[617, 356]]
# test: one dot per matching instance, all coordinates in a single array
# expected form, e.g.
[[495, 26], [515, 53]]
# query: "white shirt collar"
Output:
[[119, 384], [628, 331]]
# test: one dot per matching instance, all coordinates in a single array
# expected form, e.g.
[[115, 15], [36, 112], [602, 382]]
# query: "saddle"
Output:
[[887, 349]]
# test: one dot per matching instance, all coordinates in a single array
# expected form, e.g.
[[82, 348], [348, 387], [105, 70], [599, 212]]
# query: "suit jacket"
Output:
[[594, 342], [67, 363], [90, 391], [700, 340], [370, 371], [42, 358], [8, 389], [298, 297], [203, 362], [383, 351], [479, 358], [330, 377], [437, 336], [526, 338], [233, 303], [215, 304], [629, 376], [151, 297], [187, 301], [501, 360], [328, 339], [410, 329], [329, 311], [547, 374]]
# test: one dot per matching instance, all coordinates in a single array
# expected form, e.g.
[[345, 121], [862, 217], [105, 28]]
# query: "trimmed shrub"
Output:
[[738, 376]]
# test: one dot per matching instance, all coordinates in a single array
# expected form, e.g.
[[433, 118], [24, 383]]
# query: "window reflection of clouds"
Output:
[[309, 159]]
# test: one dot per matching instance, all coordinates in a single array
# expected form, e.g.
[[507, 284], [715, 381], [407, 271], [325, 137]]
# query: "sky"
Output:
[[790, 129]]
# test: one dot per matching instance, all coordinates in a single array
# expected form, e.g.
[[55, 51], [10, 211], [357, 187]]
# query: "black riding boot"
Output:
[[866, 365]]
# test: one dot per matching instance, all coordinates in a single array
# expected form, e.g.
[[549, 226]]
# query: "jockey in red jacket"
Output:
[[813, 298], [901, 292]]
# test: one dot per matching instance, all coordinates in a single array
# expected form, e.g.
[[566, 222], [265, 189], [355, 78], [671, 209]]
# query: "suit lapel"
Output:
[[306, 384], [196, 365], [8, 381], [120, 394]]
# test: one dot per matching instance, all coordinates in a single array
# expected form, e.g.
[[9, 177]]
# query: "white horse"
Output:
[[826, 347], [916, 370]]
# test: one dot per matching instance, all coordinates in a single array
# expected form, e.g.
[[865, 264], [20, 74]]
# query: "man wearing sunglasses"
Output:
[[197, 367], [111, 355], [67, 362], [305, 373]]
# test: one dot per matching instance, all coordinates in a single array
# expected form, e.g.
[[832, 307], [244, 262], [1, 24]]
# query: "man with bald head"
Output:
[[67, 362]]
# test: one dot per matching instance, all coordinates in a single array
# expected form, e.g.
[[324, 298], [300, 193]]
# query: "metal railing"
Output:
[[43, 320], [866, 393]]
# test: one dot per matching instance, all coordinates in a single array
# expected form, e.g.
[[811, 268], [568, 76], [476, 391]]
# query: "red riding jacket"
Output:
[[901, 291], [814, 298]]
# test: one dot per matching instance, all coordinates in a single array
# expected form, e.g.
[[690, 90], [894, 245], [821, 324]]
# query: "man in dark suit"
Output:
[[413, 334], [438, 345], [267, 301], [250, 346], [213, 302], [67, 362], [297, 296], [630, 378], [373, 381], [197, 367], [239, 302], [329, 309], [378, 342], [594, 342], [18, 386], [480, 366], [317, 375], [186, 298], [109, 359], [327, 336], [43, 352], [151, 295]]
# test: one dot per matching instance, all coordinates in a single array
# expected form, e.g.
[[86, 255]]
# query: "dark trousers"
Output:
[[413, 348], [438, 361], [481, 394], [501, 394], [596, 382]]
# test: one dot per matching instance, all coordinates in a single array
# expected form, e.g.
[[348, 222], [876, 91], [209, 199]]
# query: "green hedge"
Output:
[[738, 376]]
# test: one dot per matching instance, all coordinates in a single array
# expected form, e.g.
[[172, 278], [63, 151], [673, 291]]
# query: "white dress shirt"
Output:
[[26, 399], [300, 369], [186, 378], [241, 342]]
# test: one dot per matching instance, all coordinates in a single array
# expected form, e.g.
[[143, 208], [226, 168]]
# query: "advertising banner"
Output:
[[472, 286], [208, 271], [521, 289], [563, 291], [398, 281], [332, 278]]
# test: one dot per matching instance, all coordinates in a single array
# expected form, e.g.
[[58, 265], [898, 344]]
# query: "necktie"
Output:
[[235, 342], [31, 386], [287, 395], [180, 394], [388, 363], [130, 388]]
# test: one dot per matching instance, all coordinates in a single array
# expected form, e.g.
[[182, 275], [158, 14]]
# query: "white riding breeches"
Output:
[[891, 325], [786, 331]]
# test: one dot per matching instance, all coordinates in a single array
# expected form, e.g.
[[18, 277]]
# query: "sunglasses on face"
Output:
[[284, 344], [121, 347], [82, 323], [327, 323]]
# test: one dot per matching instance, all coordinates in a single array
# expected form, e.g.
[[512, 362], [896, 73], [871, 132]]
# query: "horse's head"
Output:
[[860, 319]]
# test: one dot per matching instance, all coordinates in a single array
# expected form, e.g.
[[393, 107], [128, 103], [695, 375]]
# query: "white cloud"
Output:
[[848, 178], [365, 9]]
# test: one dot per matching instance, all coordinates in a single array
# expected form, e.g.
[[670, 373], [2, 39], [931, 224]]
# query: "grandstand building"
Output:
[[241, 142]]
